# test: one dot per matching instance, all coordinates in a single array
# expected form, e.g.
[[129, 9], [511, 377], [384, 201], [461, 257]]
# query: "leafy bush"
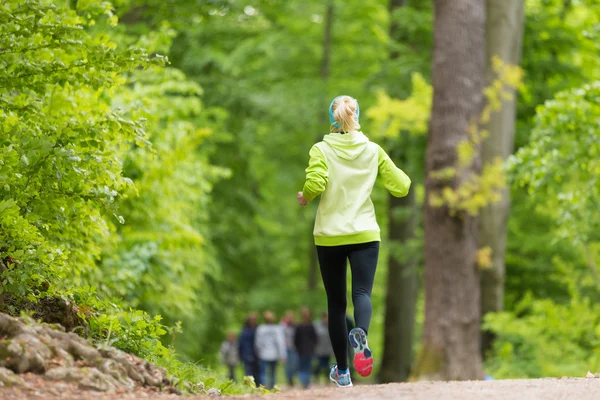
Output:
[[59, 144], [557, 335], [544, 339], [560, 166], [76, 114]]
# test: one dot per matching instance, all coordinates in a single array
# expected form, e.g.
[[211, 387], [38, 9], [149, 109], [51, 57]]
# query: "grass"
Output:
[[194, 374]]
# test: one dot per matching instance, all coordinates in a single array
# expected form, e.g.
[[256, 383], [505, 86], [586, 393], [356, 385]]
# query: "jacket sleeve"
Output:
[[394, 179], [316, 174]]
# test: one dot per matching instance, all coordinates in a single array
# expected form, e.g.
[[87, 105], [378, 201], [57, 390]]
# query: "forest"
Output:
[[151, 152]]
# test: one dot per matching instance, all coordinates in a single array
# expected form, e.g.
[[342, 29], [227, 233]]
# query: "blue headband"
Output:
[[332, 119]]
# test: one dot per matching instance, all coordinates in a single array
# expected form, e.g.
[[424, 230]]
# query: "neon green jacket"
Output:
[[343, 169]]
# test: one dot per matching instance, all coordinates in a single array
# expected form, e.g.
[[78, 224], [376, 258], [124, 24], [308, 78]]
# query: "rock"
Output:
[[83, 351], [153, 376], [134, 374], [126, 360], [8, 378], [65, 357], [111, 367], [174, 390], [9, 326], [67, 374], [36, 352], [96, 380], [24, 353], [213, 392], [117, 372], [28, 346], [9, 351]]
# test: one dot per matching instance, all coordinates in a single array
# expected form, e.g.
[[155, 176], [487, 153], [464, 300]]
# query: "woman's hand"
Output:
[[301, 200]]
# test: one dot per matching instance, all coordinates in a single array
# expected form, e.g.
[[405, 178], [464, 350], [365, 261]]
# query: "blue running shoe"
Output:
[[363, 357], [342, 380]]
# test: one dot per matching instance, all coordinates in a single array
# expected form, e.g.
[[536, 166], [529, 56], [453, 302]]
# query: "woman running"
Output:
[[343, 169]]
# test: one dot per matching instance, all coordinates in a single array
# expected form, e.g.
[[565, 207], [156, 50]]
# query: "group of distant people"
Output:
[[304, 348]]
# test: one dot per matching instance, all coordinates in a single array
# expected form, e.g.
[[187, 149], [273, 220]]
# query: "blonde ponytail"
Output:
[[345, 115]]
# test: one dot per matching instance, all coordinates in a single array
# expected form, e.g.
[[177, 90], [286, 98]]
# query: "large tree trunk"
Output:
[[504, 33], [451, 333], [402, 282], [313, 267]]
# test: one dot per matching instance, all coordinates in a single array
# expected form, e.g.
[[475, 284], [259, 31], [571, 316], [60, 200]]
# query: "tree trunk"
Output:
[[451, 333], [401, 293], [504, 33], [313, 267], [402, 283]]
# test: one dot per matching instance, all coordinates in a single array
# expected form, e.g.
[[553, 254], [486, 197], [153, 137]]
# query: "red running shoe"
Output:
[[363, 357]]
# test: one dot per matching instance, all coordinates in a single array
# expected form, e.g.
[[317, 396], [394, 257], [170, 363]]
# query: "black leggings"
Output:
[[363, 262]]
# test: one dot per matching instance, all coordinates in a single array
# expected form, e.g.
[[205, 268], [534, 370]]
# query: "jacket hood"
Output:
[[348, 145]]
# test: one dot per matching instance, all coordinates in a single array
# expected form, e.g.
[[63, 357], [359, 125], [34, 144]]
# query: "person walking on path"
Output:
[[305, 341], [323, 350], [289, 329], [343, 168], [270, 347], [246, 349], [229, 354]]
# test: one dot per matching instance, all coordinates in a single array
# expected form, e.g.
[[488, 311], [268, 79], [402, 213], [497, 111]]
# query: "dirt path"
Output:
[[539, 389]]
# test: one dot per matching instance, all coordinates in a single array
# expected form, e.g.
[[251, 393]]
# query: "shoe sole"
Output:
[[363, 357], [337, 383]]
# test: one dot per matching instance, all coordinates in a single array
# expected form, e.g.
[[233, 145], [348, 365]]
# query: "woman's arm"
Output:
[[316, 174], [394, 179]]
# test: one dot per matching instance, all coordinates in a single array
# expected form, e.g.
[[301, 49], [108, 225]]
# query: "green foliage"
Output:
[[161, 255], [529, 257], [545, 338], [59, 142], [392, 116], [410, 45], [77, 112], [558, 37], [553, 340], [560, 46], [133, 331], [191, 372], [560, 166], [548, 278]]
